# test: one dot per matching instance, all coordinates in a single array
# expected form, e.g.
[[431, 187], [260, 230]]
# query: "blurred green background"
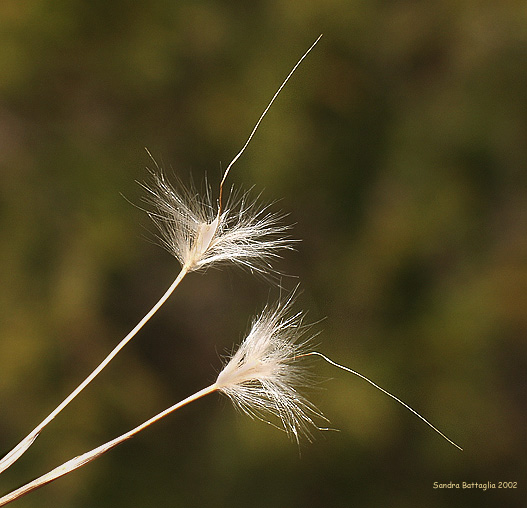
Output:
[[399, 149]]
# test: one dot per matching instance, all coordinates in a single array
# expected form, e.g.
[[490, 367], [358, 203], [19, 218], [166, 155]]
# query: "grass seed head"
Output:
[[244, 232], [264, 375]]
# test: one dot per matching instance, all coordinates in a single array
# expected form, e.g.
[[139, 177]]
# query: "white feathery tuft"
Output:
[[244, 233], [264, 374]]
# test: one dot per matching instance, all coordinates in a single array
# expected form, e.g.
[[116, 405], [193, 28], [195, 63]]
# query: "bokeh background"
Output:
[[399, 150]]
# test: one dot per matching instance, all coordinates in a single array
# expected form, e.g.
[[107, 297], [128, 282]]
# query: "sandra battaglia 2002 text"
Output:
[[475, 485]]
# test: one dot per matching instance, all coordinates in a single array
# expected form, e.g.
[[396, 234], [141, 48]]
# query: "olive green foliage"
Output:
[[399, 149]]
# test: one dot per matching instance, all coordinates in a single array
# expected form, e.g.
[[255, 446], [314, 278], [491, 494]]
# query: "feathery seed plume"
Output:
[[264, 374], [243, 232]]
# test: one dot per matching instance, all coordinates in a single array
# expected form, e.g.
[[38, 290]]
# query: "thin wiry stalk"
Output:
[[87, 457], [22, 447]]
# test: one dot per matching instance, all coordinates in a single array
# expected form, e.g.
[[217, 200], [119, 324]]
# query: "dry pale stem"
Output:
[[22, 447], [87, 457]]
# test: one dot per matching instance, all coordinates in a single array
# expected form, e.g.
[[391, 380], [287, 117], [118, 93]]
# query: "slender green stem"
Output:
[[83, 459], [21, 448]]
